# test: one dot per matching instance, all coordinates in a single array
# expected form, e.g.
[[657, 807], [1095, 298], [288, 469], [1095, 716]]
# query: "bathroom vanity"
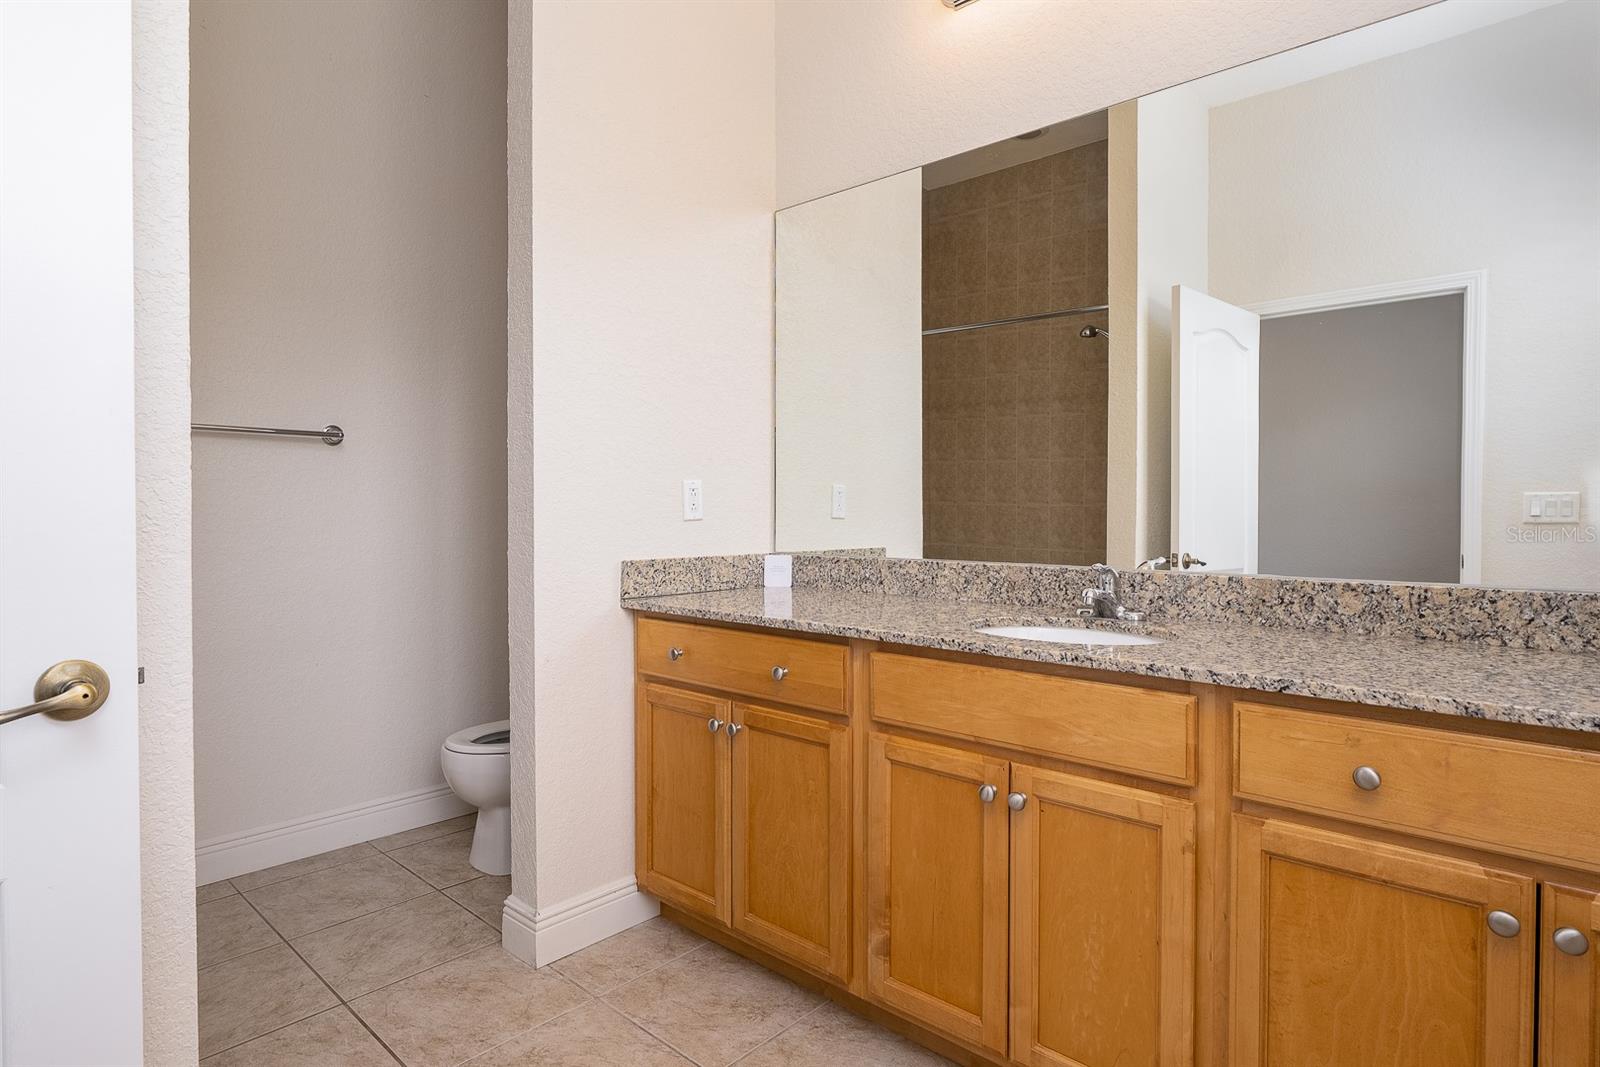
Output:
[[1180, 854]]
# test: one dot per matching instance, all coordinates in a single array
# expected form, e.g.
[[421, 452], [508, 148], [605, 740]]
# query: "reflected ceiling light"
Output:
[[957, 4]]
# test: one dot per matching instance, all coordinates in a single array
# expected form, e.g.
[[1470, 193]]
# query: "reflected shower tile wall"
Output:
[[1014, 417]]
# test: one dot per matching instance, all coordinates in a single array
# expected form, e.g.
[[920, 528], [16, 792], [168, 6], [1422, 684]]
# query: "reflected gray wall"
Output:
[[1361, 442]]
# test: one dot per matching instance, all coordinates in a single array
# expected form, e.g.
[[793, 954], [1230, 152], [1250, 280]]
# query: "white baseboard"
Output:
[[268, 846], [544, 936]]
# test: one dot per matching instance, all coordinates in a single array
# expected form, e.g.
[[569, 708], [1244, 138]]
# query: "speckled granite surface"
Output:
[[689, 574], [1475, 680], [1515, 618]]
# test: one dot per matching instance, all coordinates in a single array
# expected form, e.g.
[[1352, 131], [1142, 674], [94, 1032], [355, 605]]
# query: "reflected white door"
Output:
[[1216, 415], [70, 989]]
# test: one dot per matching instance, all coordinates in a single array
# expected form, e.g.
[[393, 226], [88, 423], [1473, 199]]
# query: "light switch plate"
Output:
[[1550, 507]]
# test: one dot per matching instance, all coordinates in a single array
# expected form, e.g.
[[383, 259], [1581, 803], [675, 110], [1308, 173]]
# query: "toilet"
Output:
[[477, 764]]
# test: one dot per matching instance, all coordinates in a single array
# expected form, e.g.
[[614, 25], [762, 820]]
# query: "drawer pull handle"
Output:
[[987, 793], [1504, 923], [734, 728], [779, 673], [674, 654], [1017, 801], [713, 725], [1367, 778], [1570, 939]]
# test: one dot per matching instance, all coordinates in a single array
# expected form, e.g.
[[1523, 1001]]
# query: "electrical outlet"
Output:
[[1550, 507], [694, 500], [838, 500]]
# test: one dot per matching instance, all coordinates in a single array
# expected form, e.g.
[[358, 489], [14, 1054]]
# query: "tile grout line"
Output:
[[431, 966], [339, 1002], [606, 993], [558, 1015], [292, 877], [619, 1013], [806, 1015]]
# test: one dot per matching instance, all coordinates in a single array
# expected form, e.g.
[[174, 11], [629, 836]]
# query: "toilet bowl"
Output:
[[477, 764]]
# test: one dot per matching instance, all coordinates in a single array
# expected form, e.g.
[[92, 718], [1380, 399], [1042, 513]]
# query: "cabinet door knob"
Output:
[[1570, 939], [734, 728], [713, 725], [987, 793], [1367, 778], [779, 673], [674, 653], [1017, 801], [1504, 923]]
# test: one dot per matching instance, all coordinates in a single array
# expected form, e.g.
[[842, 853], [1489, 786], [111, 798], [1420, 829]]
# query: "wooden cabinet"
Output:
[[1347, 951], [681, 780], [1569, 1024], [1145, 899], [791, 835], [1102, 924], [937, 887], [744, 818]]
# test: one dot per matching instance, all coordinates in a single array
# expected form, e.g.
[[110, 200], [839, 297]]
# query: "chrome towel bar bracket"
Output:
[[330, 434]]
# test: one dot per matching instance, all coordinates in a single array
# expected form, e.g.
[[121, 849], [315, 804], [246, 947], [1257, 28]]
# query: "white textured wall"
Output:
[[651, 342], [161, 460], [1481, 152], [866, 90], [349, 266], [849, 368]]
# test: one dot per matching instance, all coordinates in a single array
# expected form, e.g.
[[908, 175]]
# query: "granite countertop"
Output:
[[1468, 679]]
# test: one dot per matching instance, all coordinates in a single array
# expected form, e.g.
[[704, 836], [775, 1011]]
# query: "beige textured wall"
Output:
[[650, 332], [1014, 417], [1480, 152], [349, 227], [866, 90], [849, 368], [161, 460], [519, 439], [652, 357]]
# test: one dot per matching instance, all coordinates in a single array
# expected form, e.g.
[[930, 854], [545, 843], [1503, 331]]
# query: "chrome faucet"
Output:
[[1102, 600]]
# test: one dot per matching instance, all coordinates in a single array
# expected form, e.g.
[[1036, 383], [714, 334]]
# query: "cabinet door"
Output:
[[681, 764], [1102, 924], [1569, 993], [1348, 951], [936, 887], [791, 836]]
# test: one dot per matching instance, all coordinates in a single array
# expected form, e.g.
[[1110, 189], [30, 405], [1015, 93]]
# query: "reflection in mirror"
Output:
[[1335, 313]]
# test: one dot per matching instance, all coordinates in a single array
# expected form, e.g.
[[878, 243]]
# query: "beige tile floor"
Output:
[[389, 951]]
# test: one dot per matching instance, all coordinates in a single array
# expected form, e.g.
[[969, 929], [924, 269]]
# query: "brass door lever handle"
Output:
[[70, 690]]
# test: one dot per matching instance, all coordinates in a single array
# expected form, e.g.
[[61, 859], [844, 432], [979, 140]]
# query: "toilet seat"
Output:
[[463, 740]]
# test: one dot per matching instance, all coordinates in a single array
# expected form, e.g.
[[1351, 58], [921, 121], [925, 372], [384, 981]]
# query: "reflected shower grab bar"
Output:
[[1064, 313], [330, 434]]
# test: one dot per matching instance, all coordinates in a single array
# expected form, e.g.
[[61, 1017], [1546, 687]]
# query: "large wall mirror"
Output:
[[1335, 314]]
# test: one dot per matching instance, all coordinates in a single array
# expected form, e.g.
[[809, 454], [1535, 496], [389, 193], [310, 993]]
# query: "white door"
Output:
[[1216, 413], [69, 789]]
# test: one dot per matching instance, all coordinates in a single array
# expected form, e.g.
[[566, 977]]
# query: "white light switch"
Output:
[[838, 500], [694, 501], [1550, 507]]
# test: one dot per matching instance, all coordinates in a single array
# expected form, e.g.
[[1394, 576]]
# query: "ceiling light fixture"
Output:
[[955, 5]]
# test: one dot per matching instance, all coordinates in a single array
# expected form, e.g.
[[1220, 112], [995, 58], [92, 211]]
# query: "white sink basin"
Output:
[[1069, 635]]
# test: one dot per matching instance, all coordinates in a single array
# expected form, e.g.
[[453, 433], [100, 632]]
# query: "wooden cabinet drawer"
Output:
[[1148, 732], [738, 661], [1516, 797]]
